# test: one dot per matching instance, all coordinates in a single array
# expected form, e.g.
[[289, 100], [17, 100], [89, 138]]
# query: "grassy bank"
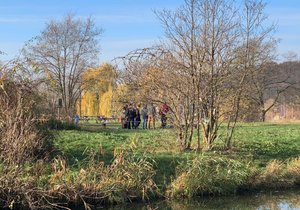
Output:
[[255, 145], [97, 165], [253, 142]]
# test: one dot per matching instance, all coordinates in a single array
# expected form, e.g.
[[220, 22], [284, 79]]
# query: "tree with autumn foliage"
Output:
[[97, 91]]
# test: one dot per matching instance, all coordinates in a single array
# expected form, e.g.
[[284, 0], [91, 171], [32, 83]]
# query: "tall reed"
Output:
[[208, 175]]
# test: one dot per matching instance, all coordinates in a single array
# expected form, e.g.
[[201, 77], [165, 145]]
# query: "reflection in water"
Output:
[[263, 201]]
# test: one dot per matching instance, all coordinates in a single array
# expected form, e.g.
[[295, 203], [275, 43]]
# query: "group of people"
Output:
[[133, 115]]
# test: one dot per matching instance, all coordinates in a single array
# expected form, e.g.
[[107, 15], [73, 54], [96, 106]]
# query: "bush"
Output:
[[55, 124], [20, 139]]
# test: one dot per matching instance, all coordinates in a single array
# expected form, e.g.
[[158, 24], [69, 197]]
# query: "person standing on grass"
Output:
[[163, 109], [126, 117], [151, 116], [145, 117], [132, 115], [76, 119], [137, 118]]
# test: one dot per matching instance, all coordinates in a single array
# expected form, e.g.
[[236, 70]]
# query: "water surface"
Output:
[[278, 200]]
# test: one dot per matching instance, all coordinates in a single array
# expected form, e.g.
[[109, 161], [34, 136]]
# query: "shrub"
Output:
[[20, 139], [55, 124]]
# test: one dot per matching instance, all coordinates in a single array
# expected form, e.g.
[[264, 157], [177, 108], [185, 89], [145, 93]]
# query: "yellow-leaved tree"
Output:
[[97, 91], [106, 102]]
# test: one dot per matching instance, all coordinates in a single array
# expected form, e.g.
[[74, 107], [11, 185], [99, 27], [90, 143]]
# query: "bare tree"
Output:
[[191, 65], [203, 36], [204, 65], [290, 56], [270, 83], [256, 50], [63, 51]]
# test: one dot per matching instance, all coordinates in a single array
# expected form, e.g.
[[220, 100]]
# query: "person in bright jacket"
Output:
[[163, 110]]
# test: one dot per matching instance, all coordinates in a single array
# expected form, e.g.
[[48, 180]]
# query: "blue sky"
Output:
[[127, 24]]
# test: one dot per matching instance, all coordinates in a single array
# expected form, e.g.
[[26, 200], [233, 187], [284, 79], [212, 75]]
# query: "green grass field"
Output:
[[257, 143]]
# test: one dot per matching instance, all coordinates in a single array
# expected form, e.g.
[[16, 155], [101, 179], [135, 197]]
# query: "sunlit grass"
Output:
[[86, 162], [257, 143]]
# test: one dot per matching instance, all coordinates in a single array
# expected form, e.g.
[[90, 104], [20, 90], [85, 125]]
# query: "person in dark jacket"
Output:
[[132, 115], [137, 118], [125, 121]]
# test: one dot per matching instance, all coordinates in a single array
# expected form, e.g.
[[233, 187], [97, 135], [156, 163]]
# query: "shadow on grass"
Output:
[[166, 169], [92, 142], [110, 128]]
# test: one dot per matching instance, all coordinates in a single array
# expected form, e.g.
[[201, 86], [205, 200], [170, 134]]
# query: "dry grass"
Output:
[[222, 176], [293, 169], [276, 175], [21, 187], [128, 178], [273, 174], [208, 175], [20, 140]]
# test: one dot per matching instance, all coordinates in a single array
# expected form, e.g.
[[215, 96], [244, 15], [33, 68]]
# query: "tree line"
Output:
[[215, 65]]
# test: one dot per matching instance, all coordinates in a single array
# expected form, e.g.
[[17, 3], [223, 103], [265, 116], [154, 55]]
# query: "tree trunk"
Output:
[[209, 131], [263, 116]]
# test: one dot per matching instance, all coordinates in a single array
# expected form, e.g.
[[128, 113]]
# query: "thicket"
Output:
[[20, 138], [55, 124]]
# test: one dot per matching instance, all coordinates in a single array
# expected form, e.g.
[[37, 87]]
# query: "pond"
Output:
[[278, 200]]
